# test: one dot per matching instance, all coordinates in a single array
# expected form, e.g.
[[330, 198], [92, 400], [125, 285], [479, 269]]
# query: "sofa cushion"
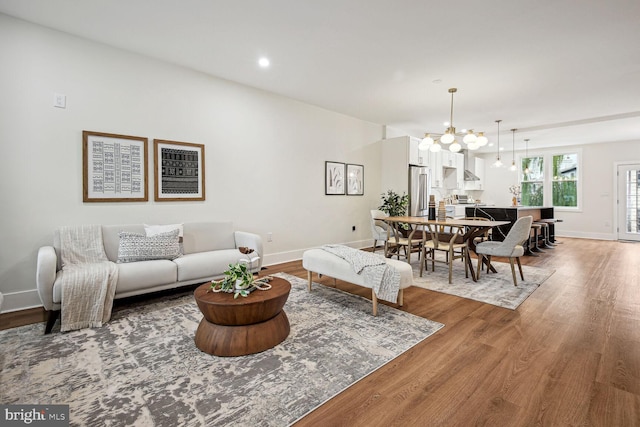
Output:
[[206, 264], [134, 276], [137, 247], [208, 236], [145, 274]]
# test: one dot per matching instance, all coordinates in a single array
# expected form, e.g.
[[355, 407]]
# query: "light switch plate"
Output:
[[59, 100]]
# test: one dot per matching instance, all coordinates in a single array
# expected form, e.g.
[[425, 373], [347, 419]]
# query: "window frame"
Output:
[[547, 183]]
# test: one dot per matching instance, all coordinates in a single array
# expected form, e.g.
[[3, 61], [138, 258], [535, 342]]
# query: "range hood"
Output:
[[468, 175]]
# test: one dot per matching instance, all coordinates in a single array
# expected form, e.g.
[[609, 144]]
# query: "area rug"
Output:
[[495, 288], [143, 368]]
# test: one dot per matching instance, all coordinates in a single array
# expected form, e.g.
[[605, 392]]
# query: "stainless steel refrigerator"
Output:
[[419, 190]]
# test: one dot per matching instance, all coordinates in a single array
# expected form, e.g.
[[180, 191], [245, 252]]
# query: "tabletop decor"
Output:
[[239, 280], [515, 190]]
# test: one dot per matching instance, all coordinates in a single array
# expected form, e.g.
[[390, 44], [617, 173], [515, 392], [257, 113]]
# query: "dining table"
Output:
[[472, 228]]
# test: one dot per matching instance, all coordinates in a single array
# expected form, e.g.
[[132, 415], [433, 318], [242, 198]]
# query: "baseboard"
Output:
[[22, 300], [594, 236]]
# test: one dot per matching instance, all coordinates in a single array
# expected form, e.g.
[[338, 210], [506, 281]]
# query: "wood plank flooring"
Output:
[[569, 355]]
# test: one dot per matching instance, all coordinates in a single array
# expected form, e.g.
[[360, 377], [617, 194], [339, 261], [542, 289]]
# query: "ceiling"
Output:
[[561, 71]]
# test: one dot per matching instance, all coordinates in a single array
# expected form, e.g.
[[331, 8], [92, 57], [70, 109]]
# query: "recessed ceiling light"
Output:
[[263, 62]]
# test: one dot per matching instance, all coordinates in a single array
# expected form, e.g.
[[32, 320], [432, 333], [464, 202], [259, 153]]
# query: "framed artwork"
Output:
[[114, 168], [333, 178], [179, 171], [355, 180]]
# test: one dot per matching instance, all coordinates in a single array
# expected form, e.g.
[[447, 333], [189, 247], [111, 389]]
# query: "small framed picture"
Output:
[[334, 178], [355, 180], [114, 168], [179, 171]]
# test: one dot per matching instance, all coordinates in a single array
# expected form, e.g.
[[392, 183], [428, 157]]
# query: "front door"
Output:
[[629, 202]]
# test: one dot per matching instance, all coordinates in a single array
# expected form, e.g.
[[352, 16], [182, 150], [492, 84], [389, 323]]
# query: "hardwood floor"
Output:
[[569, 355]]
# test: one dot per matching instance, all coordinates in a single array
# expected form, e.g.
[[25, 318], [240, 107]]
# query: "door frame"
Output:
[[616, 203]]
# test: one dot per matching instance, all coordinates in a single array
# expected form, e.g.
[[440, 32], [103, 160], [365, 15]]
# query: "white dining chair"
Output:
[[511, 247]]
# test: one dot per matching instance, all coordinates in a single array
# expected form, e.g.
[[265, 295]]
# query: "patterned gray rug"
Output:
[[495, 288], [143, 369]]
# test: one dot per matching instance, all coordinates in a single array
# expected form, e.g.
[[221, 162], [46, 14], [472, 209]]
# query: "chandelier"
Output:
[[472, 140]]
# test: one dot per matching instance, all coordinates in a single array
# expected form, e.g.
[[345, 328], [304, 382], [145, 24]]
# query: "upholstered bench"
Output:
[[328, 264]]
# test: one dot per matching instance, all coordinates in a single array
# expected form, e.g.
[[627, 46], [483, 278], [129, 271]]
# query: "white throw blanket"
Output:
[[88, 278], [384, 279]]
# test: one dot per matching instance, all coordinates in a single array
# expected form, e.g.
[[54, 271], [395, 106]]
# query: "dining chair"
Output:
[[380, 230], [511, 247], [451, 242]]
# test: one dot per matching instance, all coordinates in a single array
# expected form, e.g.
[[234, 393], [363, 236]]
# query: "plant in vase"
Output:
[[239, 280], [515, 190], [395, 205]]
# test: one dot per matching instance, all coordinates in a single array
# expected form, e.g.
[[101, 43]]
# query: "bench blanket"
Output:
[[384, 279]]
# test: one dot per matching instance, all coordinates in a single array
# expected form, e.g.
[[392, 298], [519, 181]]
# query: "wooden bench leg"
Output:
[[309, 274], [374, 300]]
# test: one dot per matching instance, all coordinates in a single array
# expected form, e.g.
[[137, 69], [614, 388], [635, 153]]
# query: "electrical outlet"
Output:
[[269, 237]]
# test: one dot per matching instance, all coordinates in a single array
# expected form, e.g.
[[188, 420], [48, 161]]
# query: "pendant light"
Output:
[[498, 163], [526, 156], [513, 167]]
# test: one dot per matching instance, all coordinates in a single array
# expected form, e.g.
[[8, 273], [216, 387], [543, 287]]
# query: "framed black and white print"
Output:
[[114, 168], [333, 178], [179, 171], [355, 180]]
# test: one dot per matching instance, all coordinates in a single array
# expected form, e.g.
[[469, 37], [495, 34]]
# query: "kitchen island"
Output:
[[511, 214]]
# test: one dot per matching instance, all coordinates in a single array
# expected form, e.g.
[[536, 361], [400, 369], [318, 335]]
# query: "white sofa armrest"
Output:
[[250, 240], [46, 275]]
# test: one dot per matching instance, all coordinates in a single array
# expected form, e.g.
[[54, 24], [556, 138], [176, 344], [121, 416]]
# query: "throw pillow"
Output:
[[137, 247], [153, 230]]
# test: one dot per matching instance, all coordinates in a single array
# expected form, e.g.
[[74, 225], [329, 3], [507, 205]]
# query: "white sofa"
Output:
[[208, 249]]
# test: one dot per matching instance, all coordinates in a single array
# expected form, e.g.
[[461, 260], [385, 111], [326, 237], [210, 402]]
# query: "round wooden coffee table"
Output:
[[243, 325]]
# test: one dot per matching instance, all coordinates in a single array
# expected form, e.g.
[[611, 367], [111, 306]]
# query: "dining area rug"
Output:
[[494, 288], [142, 367]]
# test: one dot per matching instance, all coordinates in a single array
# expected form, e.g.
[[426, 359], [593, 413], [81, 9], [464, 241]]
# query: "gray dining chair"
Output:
[[511, 247]]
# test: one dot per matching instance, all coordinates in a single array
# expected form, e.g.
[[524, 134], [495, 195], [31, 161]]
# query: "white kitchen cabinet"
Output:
[[435, 164], [416, 155], [397, 154], [459, 162]]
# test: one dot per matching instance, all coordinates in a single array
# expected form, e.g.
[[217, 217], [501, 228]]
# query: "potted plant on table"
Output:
[[239, 280], [395, 205]]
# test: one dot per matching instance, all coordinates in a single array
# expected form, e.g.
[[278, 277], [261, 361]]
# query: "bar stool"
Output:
[[537, 231], [551, 222], [544, 234]]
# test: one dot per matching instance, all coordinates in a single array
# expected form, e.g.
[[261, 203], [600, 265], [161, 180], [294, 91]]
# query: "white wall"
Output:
[[595, 218], [264, 153]]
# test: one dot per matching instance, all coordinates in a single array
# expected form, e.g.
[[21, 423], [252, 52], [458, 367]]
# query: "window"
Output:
[[558, 187], [532, 184], [565, 180]]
